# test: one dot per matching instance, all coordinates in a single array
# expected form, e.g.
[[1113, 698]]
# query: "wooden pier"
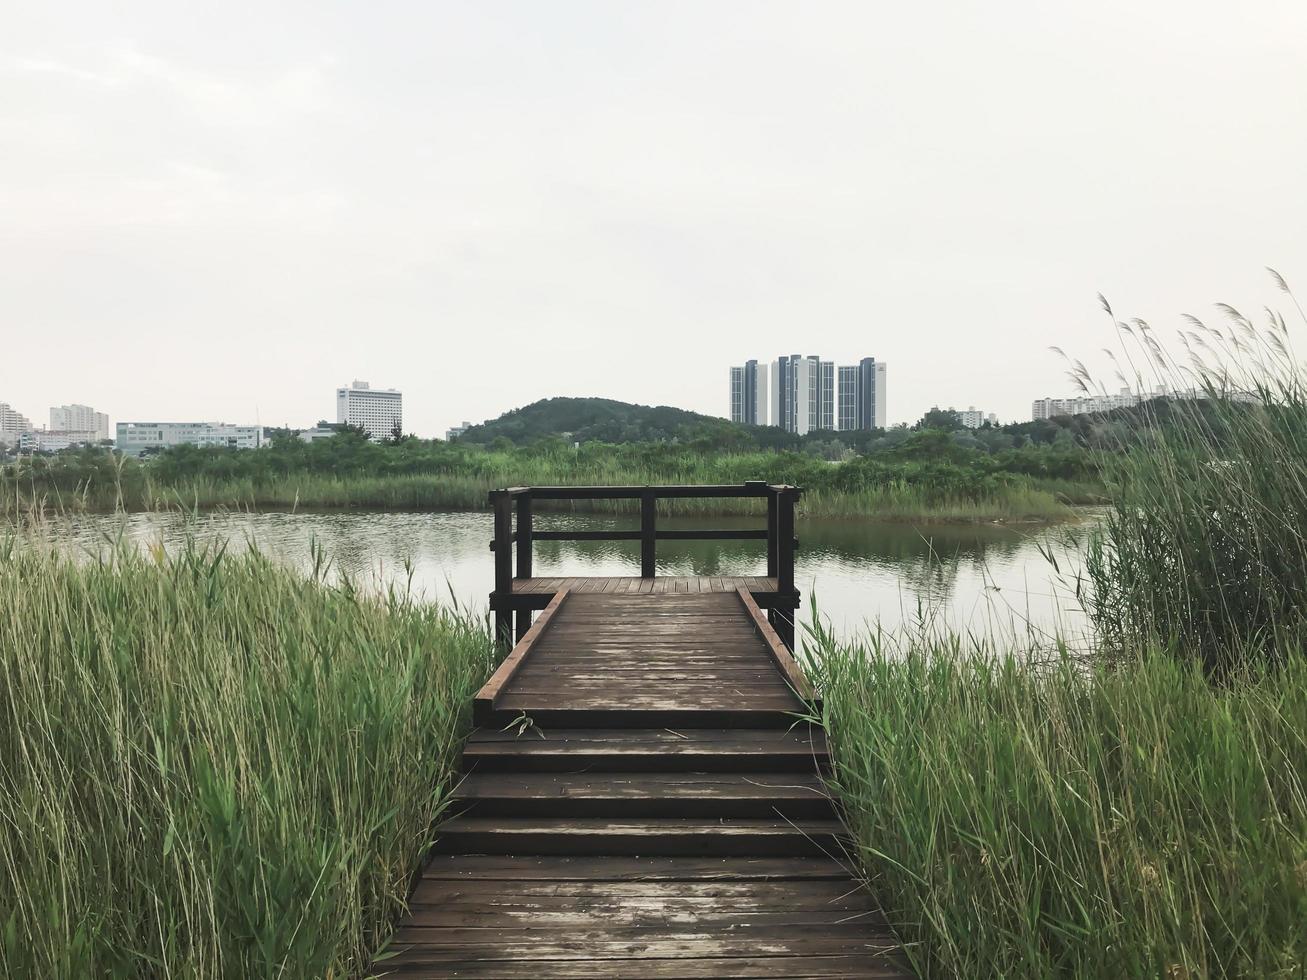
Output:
[[643, 796]]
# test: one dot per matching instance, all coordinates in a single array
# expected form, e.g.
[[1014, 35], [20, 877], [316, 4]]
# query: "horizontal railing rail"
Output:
[[515, 534]]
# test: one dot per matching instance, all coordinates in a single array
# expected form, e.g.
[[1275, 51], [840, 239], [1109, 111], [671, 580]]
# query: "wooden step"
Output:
[[546, 749], [574, 869], [658, 836], [649, 794], [639, 711], [422, 961]]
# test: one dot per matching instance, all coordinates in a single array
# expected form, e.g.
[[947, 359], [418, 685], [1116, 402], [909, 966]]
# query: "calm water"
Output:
[[986, 579]]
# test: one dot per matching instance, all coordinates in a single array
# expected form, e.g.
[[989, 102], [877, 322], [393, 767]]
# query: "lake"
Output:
[[988, 579]]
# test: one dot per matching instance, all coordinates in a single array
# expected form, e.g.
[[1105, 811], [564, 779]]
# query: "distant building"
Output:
[[824, 403], [377, 411], [316, 433], [80, 418], [749, 405], [55, 440], [1047, 408], [870, 396], [453, 432], [802, 393], [12, 425], [135, 438], [847, 397], [974, 418]]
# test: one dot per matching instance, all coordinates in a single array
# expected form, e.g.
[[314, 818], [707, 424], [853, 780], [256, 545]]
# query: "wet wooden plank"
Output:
[[665, 815]]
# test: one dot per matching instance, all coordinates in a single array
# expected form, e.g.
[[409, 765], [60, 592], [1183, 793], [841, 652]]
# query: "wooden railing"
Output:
[[516, 542]]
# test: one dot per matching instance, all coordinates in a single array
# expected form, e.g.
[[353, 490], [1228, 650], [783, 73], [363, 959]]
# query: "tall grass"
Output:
[[211, 766], [959, 485], [1074, 820], [1204, 549]]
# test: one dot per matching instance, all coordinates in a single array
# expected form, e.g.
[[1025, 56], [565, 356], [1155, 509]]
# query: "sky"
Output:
[[225, 211]]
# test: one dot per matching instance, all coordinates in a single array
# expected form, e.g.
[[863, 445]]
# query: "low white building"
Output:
[[316, 433], [454, 432], [53, 440], [135, 438]]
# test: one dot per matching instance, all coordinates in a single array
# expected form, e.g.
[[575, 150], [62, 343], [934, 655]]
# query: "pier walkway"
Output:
[[643, 797]]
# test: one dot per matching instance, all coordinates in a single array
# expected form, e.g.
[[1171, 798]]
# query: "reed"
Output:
[[936, 480], [1072, 819], [1204, 548], [213, 767]]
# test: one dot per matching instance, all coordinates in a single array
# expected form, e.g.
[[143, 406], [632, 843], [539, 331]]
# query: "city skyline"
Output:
[[484, 207]]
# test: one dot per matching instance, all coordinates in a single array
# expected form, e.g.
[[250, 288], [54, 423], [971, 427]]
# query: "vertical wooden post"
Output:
[[524, 547], [785, 563], [648, 527], [503, 504], [521, 616], [773, 512]]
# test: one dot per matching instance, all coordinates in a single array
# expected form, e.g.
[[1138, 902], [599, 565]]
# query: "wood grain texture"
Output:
[[657, 808]]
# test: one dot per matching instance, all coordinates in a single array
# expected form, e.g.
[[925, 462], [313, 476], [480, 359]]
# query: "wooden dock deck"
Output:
[[643, 797]]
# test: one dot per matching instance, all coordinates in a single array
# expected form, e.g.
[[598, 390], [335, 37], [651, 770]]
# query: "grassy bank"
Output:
[[928, 477], [1139, 813], [1104, 822], [213, 767]]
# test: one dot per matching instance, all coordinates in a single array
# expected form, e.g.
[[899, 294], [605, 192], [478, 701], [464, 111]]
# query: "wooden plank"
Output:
[[586, 967], [484, 702], [461, 867], [780, 654]]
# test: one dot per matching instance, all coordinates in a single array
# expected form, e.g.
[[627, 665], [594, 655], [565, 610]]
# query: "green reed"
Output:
[[1071, 820], [1204, 549], [211, 766]]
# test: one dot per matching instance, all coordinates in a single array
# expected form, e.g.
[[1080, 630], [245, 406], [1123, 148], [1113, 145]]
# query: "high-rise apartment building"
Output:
[[847, 397], [974, 418], [803, 393], [826, 395], [80, 419], [808, 393], [862, 395], [12, 425], [377, 411], [749, 404]]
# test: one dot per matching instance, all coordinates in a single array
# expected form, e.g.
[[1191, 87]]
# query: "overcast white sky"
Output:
[[223, 211]]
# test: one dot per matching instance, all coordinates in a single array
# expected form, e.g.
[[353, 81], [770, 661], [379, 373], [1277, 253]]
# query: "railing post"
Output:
[[648, 526], [503, 504], [524, 535], [773, 512], [785, 563], [524, 550]]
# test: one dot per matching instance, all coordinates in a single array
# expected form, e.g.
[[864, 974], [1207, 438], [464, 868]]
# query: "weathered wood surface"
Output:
[[662, 585], [657, 811]]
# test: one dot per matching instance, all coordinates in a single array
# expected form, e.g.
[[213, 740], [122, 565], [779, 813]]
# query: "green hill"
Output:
[[608, 420]]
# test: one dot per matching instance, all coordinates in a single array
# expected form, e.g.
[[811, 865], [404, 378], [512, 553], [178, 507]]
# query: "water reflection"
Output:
[[986, 579]]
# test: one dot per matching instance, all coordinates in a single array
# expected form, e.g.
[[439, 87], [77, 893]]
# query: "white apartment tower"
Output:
[[80, 419], [12, 425], [377, 411]]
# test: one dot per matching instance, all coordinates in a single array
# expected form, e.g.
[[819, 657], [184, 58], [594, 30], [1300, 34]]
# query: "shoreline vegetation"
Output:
[[1141, 811], [926, 477], [198, 753], [213, 766]]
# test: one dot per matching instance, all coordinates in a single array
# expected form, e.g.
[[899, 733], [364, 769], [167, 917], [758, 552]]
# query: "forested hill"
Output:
[[607, 420]]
